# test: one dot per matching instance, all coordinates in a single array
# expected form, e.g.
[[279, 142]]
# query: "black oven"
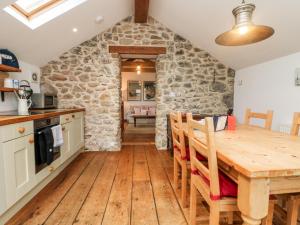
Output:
[[39, 126]]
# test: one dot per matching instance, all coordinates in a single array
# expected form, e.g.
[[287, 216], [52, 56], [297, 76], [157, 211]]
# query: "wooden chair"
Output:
[[268, 117], [293, 200], [217, 189], [180, 155]]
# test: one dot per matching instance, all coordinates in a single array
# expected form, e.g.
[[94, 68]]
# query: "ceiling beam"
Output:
[[140, 50], [141, 11]]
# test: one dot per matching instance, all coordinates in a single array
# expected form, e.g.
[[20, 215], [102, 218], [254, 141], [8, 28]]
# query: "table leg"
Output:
[[134, 121], [253, 199]]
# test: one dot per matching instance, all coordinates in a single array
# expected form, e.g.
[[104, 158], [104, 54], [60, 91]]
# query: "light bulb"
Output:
[[75, 29], [243, 30], [138, 72], [138, 68]]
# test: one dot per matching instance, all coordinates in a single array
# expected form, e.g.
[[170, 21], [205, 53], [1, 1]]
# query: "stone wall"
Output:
[[188, 79]]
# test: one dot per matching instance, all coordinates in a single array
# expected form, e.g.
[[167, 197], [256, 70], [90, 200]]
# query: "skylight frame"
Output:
[[40, 9], [46, 14]]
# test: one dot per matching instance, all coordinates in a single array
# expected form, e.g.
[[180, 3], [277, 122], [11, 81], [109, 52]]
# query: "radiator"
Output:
[[285, 128]]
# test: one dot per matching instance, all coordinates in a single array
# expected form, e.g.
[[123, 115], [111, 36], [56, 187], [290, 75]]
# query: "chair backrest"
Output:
[[201, 140], [268, 117], [296, 124], [177, 133]]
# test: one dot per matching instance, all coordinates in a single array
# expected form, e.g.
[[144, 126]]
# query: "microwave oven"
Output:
[[44, 101]]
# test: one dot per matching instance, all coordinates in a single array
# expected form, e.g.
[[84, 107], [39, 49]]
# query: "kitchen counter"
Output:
[[6, 120]]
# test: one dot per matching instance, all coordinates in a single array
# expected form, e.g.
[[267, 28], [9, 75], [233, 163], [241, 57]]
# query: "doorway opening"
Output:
[[138, 90], [138, 93]]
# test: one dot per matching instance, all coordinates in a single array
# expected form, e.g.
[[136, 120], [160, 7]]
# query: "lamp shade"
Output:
[[244, 32]]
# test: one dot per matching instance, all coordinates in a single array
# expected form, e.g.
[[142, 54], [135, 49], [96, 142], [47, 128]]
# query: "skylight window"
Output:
[[35, 13]]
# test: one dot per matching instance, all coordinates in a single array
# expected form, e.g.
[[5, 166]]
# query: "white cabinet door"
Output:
[[77, 132], [19, 168], [66, 150]]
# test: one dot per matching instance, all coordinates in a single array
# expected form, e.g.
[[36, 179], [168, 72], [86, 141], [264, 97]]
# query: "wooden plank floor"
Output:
[[134, 186]]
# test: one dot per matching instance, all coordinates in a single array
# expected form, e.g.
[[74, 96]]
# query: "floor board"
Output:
[[99, 193], [131, 187]]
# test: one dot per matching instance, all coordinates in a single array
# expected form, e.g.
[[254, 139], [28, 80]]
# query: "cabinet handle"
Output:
[[51, 169], [21, 130], [31, 140]]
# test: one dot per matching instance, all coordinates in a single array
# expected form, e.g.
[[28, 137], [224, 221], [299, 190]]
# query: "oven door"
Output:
[[40, 153]]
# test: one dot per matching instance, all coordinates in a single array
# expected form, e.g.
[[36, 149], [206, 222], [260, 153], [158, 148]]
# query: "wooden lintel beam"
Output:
[[144, 70], [141, 11], [138, 50], [145, 64]]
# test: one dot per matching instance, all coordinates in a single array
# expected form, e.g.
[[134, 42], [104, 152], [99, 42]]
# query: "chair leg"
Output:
[[184, 186], [269, 219], [175, 173], [193, 204], [292, 212], [214, 214], [230, 217]]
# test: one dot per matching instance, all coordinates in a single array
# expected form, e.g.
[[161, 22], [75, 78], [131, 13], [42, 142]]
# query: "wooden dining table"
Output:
[[262, 163]]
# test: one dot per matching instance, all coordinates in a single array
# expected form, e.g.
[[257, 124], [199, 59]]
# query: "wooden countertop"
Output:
[[6, 120]]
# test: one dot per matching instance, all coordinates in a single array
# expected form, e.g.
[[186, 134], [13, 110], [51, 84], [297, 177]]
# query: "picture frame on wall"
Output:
[[149, 90], [134, 90]]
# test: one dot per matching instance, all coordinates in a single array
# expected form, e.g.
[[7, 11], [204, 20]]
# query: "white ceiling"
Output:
[[197, 20], [41, 45], [201, 21]]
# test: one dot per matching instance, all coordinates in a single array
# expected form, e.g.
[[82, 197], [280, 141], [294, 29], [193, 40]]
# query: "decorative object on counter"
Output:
[[23, 106], [24, 91], [149, 90], [23, 95], [134, 91], [8, 58]]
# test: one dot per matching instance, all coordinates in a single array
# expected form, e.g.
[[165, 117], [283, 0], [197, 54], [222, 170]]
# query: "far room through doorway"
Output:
[[138, 99]]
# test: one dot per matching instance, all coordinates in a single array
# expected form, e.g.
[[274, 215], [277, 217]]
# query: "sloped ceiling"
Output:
[[55, 37], [200, 21]]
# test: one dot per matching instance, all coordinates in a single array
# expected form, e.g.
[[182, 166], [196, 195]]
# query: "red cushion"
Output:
[[228, 188], [188, 157]]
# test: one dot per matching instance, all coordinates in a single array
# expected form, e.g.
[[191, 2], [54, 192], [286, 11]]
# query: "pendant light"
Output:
[[244, 31]]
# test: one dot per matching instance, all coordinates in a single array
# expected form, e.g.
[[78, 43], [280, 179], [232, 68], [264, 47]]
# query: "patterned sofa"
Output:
[[140, 110]]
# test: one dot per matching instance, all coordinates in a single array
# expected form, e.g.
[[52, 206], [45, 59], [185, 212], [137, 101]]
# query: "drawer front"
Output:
[[15, 131], [65, 118]]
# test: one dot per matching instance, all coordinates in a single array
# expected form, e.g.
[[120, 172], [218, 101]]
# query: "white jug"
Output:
[[23, 106]]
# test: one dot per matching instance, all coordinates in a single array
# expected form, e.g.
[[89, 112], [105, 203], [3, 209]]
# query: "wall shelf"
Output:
[[5, 68], [4, 90]]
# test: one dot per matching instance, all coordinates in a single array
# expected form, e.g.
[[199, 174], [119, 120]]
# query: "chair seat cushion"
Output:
[[228, 188], [188, 157]]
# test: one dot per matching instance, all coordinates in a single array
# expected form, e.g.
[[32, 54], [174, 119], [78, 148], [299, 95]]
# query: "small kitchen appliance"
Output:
[[44, 101]]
